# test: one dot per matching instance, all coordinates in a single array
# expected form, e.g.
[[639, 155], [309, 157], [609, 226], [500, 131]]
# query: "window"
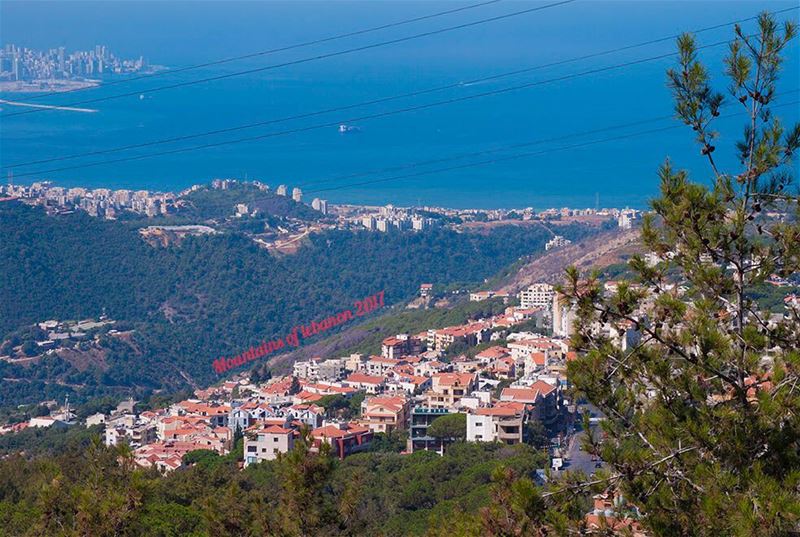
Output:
[[274, 438], [251, 449], [479, 424]]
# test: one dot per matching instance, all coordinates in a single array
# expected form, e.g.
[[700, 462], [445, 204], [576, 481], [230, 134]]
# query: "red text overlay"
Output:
[[362, 307]]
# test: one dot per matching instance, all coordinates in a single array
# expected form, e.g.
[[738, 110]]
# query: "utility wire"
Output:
[[366, 117], [364, 103], [520, 155], [273, 51], [374, 101], [512, 146], [302, 60]]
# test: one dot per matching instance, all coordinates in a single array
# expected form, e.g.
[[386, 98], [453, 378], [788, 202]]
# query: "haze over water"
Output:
[[176, 34]]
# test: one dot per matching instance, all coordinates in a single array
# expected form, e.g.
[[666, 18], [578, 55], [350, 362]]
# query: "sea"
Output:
[[570, 145]]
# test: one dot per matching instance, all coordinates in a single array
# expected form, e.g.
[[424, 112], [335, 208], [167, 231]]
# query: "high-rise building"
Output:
[[563, 315], [297, 194], [320, 205], [281, 190]]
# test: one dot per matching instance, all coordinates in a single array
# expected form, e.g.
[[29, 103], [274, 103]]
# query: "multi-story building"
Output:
[[503, 422], [447, 389], [538, 295], [563, 316], [420, 419], [383, 413], [266, 442], [320, 205], [344, 438]]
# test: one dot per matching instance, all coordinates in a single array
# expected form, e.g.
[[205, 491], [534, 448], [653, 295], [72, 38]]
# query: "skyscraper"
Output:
[[320, 205]]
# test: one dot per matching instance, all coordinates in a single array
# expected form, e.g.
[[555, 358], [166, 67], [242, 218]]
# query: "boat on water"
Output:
[[347, 128]]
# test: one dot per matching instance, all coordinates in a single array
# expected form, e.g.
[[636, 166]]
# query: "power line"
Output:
[[512, 146], [303, 60], [376, 101], [365, 117], [274, 50], [521, 155]]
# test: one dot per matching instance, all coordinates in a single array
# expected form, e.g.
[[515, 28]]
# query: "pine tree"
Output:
[[703, 412]]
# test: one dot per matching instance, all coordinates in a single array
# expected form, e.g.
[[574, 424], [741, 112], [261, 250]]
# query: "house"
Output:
[[394, 347], [344, 438], [308, 414], [487, 356], [504, 422], [542, 395], [407, 383], [96, 419], [447, 389], [463, 364], [266, 442], [378, 365], [521, 351], [368, 383], [470, 334], [425, 290], [612, 514], [431, 367], [42, 421], [504, 368], [245, 415], [402, 345], [383, 413]]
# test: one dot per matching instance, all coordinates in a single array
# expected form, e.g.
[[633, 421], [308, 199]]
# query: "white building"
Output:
[[556, 242], [538, 295], [265, 444], [281, 190], [297, 194], [502, 423], [563, 316], [320, 205]]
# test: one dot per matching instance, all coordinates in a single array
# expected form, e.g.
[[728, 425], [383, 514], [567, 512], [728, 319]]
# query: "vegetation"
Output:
[[704, 420], [450, 427], [210, 296], [97, 491]]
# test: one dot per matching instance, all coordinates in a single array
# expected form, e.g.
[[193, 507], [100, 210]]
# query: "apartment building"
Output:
[[503, 422], [383, 413], [419, 420], [447, 389], [265, 442], [538, 295]]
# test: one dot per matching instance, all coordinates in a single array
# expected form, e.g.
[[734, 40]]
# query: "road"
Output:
[[579, 459]]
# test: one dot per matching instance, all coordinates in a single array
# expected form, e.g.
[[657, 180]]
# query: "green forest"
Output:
[[93, 490], [210, 296]]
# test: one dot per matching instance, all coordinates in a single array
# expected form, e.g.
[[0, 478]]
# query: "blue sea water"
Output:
[[622, 172]]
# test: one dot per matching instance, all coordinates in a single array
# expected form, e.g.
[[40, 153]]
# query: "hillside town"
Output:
[[509, 377], [113, 204]]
